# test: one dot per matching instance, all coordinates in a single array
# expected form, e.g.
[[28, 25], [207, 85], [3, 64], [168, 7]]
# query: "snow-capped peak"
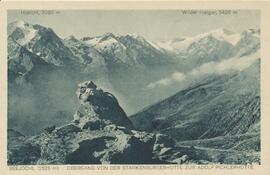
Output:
[[22, 31], [21, 24], [130, 37], [183, 43], [221, 34], [103, 42], [93, 41]]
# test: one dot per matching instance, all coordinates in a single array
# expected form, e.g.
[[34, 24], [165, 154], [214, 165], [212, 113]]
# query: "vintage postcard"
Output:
[[135, 87]]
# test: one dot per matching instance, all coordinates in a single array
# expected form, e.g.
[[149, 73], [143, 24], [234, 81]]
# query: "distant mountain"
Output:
[[132, 50], [181, 44], [41, 41], [110, 52], [21, 61], [212, 46], [249, 43], [91, 60]]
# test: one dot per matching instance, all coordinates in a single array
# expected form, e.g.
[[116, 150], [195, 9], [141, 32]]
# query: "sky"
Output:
[[155, 25]]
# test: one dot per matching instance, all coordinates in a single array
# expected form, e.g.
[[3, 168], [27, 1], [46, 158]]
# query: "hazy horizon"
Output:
[[155, 25]]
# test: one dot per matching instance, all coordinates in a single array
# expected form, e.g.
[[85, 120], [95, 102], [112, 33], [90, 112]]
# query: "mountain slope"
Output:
[[21, 61], [217, 106]]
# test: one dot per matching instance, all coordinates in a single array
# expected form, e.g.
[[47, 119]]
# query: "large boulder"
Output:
[[95, 102]]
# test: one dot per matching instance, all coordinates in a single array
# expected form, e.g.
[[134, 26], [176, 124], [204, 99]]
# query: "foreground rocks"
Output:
[[100, 133]]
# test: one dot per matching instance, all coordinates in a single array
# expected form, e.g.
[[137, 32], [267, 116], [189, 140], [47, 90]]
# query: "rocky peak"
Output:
[[22, 32], [95, 103], [18, 24], [41, 41], [108, 35]]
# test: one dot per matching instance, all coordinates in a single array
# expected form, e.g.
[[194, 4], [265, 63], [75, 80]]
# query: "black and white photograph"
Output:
[[133, 87]]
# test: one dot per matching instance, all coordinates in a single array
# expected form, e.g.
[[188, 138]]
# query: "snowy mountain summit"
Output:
[[22, 32], [220, 34], [41, 41]]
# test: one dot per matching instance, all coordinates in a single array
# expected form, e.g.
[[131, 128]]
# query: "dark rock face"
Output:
[[95, 102], [64, 130], [94, 125], [90, 146], [100, 133]]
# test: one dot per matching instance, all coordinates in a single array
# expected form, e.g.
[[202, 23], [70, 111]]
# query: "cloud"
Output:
[[225, 66], [210, 68], [178, 76], [175, 77]]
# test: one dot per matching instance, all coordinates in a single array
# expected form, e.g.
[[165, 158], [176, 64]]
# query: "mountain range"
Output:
[[202, 91]]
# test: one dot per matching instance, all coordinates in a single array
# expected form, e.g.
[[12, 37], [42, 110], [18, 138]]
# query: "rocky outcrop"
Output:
[[94, 103], [100, 133]]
